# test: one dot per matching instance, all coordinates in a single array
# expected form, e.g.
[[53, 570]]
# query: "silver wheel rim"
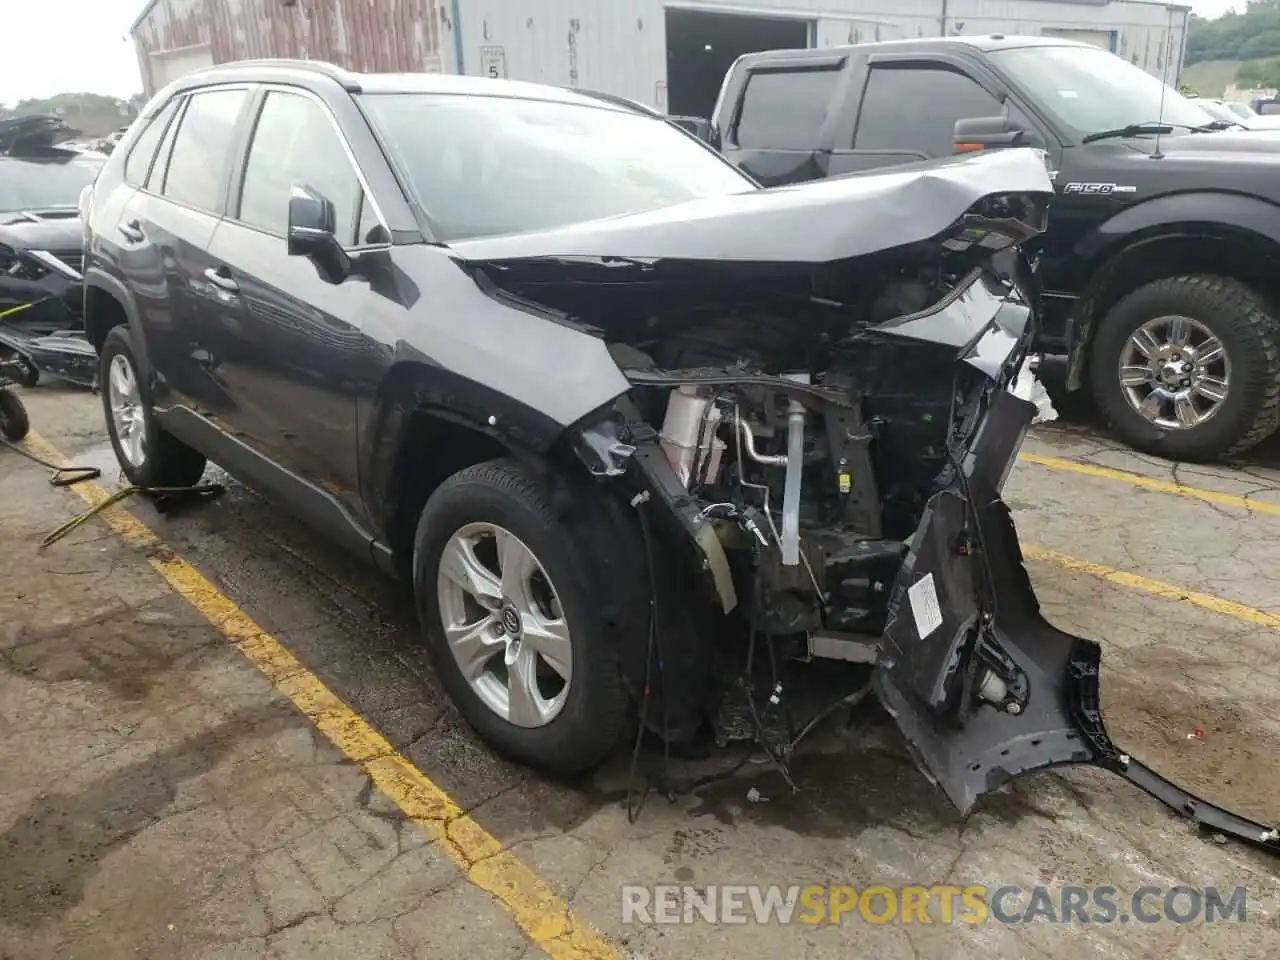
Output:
[[504, 625], [126, 410], [1175, 372]]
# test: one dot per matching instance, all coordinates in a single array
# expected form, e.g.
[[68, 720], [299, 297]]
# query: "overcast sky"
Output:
[[73, 46]]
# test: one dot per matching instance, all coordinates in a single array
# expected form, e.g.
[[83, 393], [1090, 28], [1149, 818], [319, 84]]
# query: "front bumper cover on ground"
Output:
[[935, 655]]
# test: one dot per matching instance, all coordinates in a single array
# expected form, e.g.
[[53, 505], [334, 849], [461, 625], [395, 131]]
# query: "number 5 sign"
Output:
[[493, 63]]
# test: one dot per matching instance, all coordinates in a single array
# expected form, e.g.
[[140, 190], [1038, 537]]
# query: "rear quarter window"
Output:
[[143, 152], [785, 109]]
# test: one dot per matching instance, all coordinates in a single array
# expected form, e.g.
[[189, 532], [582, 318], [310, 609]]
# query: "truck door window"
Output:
[[784, 109], [916, 108]]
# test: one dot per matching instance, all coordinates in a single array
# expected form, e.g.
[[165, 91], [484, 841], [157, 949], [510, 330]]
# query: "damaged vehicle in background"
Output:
[[639, 433], [41, 236]]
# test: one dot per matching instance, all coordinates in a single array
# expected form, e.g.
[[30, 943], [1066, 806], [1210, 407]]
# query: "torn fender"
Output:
[[945, 636]]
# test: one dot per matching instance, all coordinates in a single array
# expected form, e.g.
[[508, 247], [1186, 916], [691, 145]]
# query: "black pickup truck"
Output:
[[1159, 268]]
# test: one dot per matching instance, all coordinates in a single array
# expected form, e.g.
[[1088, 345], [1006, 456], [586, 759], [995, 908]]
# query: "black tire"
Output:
[[1242, 321], [28, 373], [594, 717], [14, 423], [167, 461]]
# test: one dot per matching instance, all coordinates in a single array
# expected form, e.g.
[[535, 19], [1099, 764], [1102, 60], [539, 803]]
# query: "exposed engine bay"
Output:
[[813, 458], [820, 444]]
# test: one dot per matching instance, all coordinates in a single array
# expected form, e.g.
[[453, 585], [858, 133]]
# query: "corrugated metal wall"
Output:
[[369, 35], [618, 46]]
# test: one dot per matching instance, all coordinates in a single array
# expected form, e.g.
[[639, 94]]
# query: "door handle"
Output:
[[221, 280], [131, 231]]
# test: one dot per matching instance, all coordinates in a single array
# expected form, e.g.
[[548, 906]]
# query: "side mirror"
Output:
[[985, 133], [312, 223]]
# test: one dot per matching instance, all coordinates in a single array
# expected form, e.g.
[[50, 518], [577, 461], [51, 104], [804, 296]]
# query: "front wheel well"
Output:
[[1250, 259], [432, 450], [102, 312]]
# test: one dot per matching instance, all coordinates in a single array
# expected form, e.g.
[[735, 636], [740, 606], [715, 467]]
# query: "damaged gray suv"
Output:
[[630, 425]]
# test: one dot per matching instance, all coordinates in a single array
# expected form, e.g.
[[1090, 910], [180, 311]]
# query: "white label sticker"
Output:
[[924, 606], [493, 63]]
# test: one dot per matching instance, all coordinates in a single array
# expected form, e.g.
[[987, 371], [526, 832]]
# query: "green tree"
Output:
[[1259, 73]]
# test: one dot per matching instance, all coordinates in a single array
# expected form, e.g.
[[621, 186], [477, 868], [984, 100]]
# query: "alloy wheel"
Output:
[[504, 625], [1175, 372], [127, 414]]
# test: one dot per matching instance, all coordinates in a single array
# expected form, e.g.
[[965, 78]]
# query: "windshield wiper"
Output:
[[1137, 129]]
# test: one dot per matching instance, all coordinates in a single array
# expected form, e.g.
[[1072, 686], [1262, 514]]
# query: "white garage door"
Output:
[[1097, 38], [169, 65]]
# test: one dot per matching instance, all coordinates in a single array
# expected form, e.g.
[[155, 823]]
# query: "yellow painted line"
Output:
[[544, 916], [1150, 483], [1157, 588]]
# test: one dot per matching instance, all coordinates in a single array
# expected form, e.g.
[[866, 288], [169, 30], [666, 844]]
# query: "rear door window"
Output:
[[785, 109], [915, 108], [138, 163], [201, 152]]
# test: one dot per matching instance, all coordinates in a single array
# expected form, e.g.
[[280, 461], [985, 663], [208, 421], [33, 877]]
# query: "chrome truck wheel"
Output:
[[1188, 368], [1175, 372]]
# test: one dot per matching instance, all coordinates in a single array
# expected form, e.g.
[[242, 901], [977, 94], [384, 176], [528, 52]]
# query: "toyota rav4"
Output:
[[630, 425]]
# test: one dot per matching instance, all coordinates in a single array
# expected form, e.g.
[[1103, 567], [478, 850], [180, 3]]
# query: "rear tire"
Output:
[[28, 373], [1240, 320], [14, 423], [148, 455], [507, 499]]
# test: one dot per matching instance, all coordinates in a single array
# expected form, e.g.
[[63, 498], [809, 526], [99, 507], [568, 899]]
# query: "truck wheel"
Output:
[[1189, 368], [14, 424], [502, 591], [148, 456]]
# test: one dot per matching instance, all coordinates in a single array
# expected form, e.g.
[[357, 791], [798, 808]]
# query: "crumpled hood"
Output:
[[815, 222], [22, 233]]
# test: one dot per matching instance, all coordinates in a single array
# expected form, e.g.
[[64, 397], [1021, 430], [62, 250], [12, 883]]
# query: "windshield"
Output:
[[482, 166], [30, 184], [1089, 90], [1242, 110]]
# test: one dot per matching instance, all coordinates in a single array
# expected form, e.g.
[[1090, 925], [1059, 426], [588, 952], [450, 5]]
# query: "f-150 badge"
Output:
[[1098, 189]]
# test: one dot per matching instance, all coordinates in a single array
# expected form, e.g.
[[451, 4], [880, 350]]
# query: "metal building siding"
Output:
[[618, 46], [366, 35]]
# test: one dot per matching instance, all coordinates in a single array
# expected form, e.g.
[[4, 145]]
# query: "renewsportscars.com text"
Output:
[[938, 903]]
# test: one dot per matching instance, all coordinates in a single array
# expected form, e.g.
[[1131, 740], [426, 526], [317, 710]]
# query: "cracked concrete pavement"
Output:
[[161, 799]]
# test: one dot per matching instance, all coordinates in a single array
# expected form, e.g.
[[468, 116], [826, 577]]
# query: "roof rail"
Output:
[[618, 101], [331, 70]]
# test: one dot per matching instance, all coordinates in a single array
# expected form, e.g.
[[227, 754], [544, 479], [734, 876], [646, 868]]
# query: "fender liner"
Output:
[[414, 387]]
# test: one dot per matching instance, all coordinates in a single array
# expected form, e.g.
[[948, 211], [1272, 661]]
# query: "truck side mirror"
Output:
[[985, 133]]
